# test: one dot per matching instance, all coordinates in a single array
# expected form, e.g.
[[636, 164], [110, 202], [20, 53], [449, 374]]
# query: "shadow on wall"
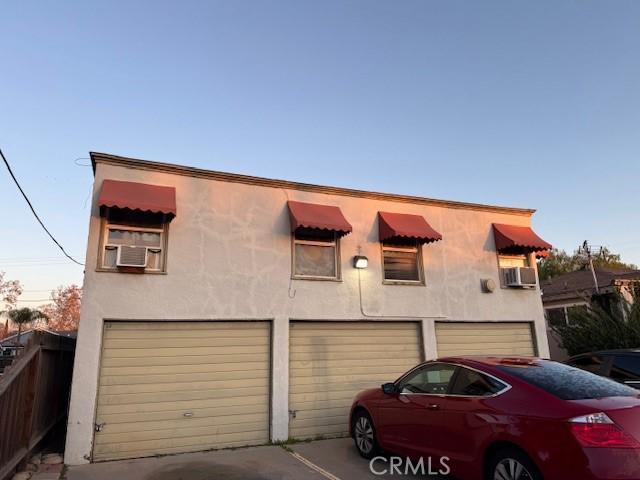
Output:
[[556, 352]]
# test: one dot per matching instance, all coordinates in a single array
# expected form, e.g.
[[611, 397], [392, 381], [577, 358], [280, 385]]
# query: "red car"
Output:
[[495, 418]]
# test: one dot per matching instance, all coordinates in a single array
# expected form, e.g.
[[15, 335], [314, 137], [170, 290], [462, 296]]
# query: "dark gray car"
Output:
[[620, 365]]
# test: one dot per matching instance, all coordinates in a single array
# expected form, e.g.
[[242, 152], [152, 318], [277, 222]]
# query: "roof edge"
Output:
[[97, 157]]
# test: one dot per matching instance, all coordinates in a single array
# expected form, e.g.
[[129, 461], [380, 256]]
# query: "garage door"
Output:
[[332, 361], [169, 387], [484, 338]]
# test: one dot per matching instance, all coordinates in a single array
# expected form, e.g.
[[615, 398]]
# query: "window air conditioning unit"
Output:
[[520, 277], [129, 256]]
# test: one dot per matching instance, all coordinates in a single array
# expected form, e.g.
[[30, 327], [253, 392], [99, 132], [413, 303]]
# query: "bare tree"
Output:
[[64, 312]]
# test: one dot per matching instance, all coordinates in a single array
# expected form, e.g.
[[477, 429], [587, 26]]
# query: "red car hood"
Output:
[[624, 411]]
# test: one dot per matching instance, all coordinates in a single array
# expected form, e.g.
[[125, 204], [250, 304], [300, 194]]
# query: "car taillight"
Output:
[[598, 430]]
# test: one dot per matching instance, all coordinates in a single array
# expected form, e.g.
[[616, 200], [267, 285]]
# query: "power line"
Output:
[[15, 180]]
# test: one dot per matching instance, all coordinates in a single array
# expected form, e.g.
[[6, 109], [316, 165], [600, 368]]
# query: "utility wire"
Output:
[[15, 180]]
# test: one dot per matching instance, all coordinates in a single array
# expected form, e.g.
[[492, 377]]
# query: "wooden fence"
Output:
[[34, 396]]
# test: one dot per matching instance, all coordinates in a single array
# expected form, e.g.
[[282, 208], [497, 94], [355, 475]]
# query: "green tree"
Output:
[[10, 290], [597, 328], [24, 317], [559, 262], [606, 258]]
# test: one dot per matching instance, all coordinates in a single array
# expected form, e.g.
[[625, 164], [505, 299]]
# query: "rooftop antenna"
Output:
[[587, 252]]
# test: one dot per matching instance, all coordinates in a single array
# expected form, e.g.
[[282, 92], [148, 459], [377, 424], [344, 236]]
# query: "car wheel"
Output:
[[512, 464], [364, 435]]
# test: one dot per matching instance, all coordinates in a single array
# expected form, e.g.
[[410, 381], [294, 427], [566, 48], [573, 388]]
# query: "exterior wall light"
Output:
[[360, 261]]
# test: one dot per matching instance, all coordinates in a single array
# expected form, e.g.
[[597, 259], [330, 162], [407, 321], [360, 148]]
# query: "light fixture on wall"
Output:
[[360, 261]]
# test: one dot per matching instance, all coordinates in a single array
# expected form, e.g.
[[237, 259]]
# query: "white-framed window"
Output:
[[402, 263], [316, 255], [147, 240]]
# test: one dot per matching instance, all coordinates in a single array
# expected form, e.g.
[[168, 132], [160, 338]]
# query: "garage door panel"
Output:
[[351, 355], [118, 418], [170, 387], [148, 383], [484, 338], [123, 379], [180, 326], [201, 341], [327, 379], [125, 449], [235, 368], [320, 398], [150, 398], [330, 362], [239, 358], [337, 339], [338, 420], [495, 350], [335, 365], [321, 430], [250, 401], [311, 351], [492, 338], [334, 386], [141, 429], [173, 352]]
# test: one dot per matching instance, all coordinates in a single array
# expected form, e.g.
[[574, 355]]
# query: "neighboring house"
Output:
[[576, 290], [10, 345], [223, 310]]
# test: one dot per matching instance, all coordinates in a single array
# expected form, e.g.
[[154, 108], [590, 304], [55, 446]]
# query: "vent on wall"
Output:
[[132, 256], [519, 277]]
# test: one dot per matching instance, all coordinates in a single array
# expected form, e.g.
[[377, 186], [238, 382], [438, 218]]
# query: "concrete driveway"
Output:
[[320, 460]]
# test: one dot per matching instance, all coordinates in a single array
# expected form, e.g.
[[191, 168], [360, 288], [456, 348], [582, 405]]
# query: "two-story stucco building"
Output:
[[225, 310]]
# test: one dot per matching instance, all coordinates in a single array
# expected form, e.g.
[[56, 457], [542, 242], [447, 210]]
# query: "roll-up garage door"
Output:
[[332, 361], [169, 387], [484, 338]]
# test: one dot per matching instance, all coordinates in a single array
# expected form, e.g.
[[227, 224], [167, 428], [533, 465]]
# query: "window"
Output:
[[576, 313], [590, 363], [516, 271], [433, 379], [471, 383], [556, 316], [626, 369], [402, 262], [316, 255], [507, 261], [567, 383], [148, 240]]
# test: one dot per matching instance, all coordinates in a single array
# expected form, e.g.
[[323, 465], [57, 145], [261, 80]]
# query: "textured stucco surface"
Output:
[[229, 257]]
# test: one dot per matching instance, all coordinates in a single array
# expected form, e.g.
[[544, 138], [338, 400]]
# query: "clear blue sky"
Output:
[[532, 104]]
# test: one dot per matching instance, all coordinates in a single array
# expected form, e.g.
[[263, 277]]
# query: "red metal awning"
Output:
[[138, 196], [514, 239], [314, 216], [405, 226]]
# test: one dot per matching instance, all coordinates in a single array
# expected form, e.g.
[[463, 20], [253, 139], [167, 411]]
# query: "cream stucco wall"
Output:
[[229, 257]]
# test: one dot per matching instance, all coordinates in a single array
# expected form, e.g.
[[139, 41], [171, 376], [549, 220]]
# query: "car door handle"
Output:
[[433, 406]]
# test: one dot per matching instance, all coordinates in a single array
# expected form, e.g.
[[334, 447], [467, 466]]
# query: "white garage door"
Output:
[[332, 361], [484, 338], [169, 387]]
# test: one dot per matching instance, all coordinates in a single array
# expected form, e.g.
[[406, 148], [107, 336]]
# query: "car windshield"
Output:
[[567, 383]]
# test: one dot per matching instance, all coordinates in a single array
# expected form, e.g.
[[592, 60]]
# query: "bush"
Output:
[[601, 328]]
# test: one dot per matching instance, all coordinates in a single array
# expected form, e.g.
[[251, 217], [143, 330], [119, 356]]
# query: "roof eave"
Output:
[[97, 157]]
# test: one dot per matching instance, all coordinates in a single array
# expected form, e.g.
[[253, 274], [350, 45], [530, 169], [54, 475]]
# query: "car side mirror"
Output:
[[389, 388]]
